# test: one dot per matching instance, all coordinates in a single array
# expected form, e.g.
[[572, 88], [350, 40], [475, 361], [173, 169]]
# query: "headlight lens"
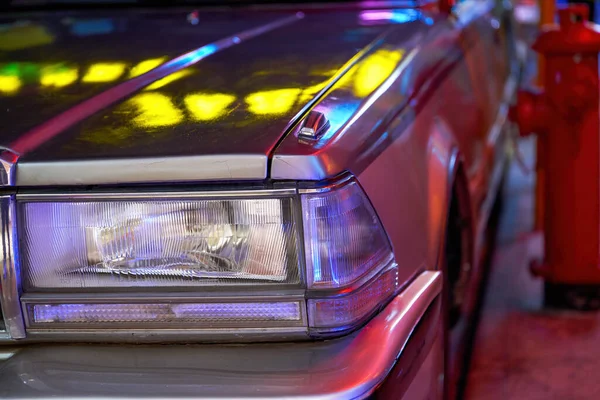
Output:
[[110, 244]]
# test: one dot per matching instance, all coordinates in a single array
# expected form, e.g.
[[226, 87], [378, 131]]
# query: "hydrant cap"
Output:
[[574, 34]]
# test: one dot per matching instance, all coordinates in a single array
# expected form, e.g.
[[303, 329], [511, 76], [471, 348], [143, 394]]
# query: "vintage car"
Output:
[[268, 201]]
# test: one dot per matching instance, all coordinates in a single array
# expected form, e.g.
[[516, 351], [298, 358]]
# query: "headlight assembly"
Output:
[[304, 262]]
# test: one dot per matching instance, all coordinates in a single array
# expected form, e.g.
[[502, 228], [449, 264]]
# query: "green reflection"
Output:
[[58, 75]]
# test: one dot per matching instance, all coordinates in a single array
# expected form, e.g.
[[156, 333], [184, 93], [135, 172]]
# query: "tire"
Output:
[[457, 252], [456, 277]]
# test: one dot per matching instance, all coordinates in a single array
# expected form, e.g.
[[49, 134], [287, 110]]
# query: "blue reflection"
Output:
[[90, 27], [338, 115], [195, 55], [393, 16]]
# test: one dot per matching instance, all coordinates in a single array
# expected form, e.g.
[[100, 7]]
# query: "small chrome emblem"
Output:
[[314, 126]]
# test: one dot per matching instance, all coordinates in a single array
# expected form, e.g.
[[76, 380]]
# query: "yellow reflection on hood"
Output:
[[375, 69], [206, 107], [310, 92], [168, 79], [145, 66], [272, 101], [58, 75], [9, 84], [104, 72], [154, 110], [18, 37]]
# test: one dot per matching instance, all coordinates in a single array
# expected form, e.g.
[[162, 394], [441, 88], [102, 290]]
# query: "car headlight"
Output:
[[313, 261], [157, 243]]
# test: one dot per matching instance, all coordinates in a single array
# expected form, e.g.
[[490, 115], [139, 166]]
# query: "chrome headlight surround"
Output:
[[345, 264]]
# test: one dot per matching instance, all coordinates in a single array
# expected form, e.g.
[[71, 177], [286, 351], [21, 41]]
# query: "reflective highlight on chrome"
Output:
[[399, 16], [10, 275]]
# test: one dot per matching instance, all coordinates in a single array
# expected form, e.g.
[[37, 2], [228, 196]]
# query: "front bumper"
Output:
[[346, 368]]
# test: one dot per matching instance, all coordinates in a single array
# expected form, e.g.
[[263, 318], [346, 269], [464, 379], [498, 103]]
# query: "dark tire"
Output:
[[456, 278], [472, 320]]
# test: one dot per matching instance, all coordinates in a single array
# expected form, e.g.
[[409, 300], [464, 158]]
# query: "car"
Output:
[[247, 201]]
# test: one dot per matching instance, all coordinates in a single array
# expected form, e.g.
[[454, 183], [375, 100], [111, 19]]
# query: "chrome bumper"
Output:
[[347, 368]]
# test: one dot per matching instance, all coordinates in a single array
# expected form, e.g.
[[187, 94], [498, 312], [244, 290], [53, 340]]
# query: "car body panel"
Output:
[[234, 102], [43, 91], [335, 369], [417, 103]]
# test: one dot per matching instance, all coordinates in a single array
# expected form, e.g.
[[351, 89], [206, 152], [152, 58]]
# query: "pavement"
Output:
[[521, 350]]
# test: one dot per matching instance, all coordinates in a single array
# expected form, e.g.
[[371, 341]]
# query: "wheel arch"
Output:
[[457, 185]]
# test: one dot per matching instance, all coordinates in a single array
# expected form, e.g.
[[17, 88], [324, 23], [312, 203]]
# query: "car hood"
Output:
[[69, 114]]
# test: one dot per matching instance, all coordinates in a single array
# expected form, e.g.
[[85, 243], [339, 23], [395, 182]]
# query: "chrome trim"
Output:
[[10, 278], [154, 195], [6, 353], [214, 296], [160, 169], [176, 335], [497, 133], [8, 160], [54, 126], [329, 186], [346, 368]]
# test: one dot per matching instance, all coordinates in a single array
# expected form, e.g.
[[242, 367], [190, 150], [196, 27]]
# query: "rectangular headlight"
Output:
[[157, 243]]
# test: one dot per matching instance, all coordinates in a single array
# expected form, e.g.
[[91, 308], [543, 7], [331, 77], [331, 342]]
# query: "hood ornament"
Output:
[[314, 126]]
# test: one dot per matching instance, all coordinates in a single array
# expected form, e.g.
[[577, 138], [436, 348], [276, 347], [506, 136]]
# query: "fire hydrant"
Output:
[[565, 118]]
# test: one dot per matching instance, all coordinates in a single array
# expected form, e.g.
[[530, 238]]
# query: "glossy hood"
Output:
[[155, 96]]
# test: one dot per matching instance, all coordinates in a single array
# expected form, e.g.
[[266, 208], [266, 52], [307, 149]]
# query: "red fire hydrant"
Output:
[[566, 118]]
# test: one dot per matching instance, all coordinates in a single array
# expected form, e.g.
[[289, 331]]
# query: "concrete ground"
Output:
[[522, 351]]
